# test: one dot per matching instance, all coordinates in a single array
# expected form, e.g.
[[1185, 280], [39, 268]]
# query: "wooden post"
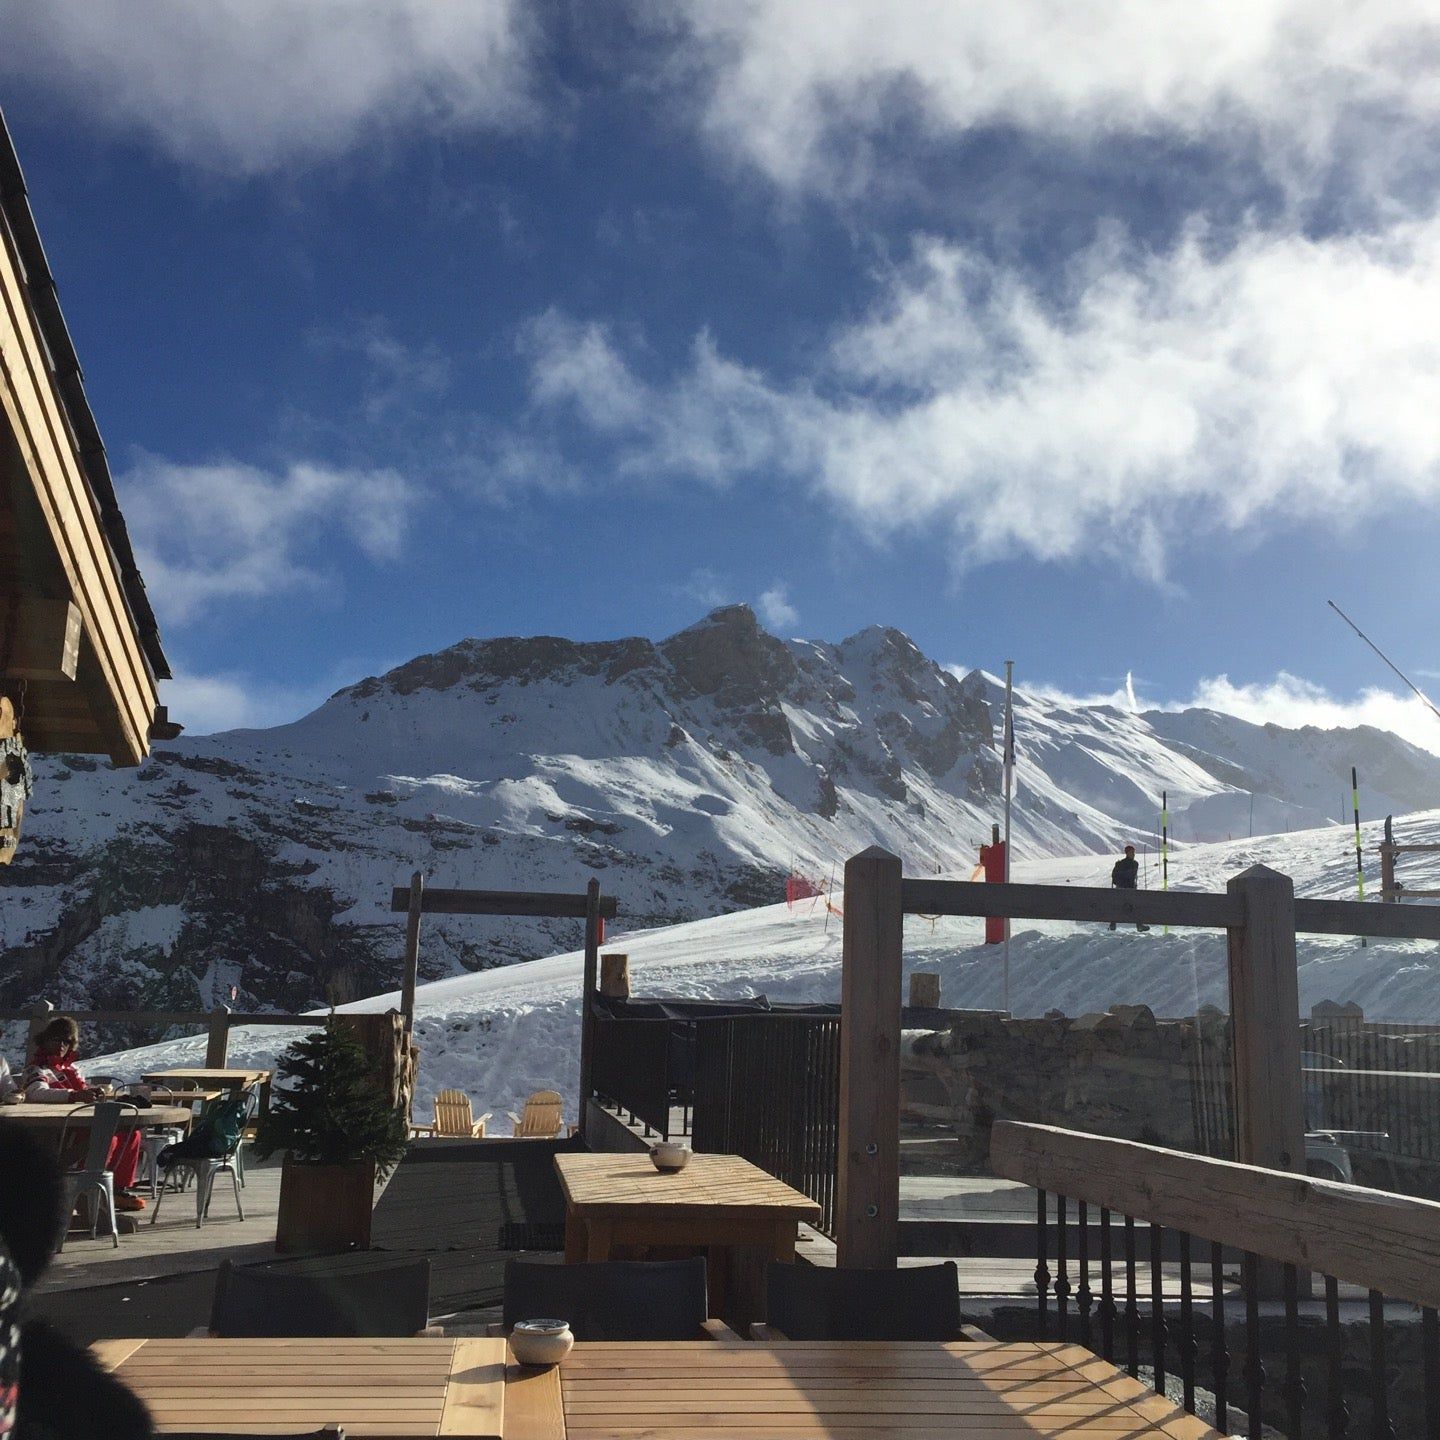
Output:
[[1265, 1024], [40, 1017], [615, 976], [412, 951], [925, 989], [217, 1043], [868, 1211], [587, 999], [1387, 863]]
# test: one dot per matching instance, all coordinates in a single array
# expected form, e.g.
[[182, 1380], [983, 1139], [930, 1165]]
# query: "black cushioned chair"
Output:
[[805, 1302], [614, 1299], [261, 1302]]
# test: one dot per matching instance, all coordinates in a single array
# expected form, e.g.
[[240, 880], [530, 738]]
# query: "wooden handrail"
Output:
[[1382, 1241], [436, 901], [168, 1017], [1159, 907]]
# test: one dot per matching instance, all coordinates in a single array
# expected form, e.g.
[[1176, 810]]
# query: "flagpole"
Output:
[[1009, 780]]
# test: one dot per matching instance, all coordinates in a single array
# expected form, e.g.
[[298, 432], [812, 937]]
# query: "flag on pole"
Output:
[[1009, 744]]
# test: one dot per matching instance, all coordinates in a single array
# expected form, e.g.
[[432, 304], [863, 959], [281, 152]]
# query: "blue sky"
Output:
[[1107, 340]]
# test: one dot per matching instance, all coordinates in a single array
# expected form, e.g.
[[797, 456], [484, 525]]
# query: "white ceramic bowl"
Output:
[[541, 1342], [669, 1155]]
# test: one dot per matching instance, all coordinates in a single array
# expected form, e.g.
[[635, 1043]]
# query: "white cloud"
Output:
[[1150, 398], [223, 531], [778, 614], [806, 89], [247, 86], [204, 704]]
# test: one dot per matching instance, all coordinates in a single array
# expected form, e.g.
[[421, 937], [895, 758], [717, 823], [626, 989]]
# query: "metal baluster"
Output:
[[1083, 1298], [1294, 1380], [1042, 1274], [1159, 1331], [1219, 1350], [1132, 1312], [1062, 1270], [1380, 1425], [1337, 1412], [1188, 1346], [1254, 1366], [1430, 1347], [1107, 1290]]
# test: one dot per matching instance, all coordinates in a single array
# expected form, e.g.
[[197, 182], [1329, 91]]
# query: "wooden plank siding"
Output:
[[1372, 1238], [123, 688]]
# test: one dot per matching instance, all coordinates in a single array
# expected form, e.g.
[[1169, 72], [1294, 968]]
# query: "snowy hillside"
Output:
[[505, 1033], [690, 775]]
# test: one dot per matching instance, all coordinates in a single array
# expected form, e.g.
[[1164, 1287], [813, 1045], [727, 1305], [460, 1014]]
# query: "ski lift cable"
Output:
[[1420, 694]]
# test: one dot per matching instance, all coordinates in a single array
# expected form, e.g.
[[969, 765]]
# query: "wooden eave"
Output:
[[62, 537]]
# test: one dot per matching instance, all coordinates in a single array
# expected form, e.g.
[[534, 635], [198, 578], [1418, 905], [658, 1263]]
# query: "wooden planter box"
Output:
[[325, 1207]]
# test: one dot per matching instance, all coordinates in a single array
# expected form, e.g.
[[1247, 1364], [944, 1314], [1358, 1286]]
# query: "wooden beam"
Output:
[[1373, 1238], [46, 642], [414, 905], [503, 902], [1356, 917], [1265, 1022], [867, 1219], [217, 1039], [1068, 902], [594, 909]]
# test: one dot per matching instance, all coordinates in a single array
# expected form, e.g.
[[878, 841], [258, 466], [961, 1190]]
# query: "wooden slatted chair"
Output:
[[453, 1116], [542, 1118]]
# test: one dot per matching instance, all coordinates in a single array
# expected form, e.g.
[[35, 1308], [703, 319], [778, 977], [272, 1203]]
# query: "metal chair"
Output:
[[260, 1302], [612, 1299], [91, 1179], [805, 1302], [205, 1168]]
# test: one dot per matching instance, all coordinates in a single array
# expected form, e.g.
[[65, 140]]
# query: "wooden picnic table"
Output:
[[162, 1095], [401, 1388], [718, 1203], [45, 1117], [814, 1390]]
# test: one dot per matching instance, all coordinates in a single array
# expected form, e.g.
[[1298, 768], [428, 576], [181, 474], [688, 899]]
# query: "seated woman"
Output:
[[51, 1078]]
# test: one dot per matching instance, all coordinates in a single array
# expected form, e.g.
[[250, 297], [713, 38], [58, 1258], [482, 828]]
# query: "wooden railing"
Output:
[[1260, 915], [1250, 1220]]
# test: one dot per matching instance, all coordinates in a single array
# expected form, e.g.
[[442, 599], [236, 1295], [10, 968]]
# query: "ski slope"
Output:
[[500, 1034]]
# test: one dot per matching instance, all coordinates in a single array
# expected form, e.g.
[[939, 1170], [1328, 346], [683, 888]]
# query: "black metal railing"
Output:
[[632, 1069], [1241, 1333], [767, 1087]]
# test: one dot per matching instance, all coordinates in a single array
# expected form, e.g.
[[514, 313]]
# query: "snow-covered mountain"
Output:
[[690, 774]]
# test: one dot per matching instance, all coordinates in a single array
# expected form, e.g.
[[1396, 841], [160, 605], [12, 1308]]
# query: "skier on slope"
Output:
[[1124, 876]]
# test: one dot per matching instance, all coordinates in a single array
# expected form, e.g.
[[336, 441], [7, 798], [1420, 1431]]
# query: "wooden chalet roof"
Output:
[[75, 623]]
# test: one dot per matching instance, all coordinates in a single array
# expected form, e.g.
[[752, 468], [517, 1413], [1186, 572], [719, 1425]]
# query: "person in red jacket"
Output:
[[51, 1078]]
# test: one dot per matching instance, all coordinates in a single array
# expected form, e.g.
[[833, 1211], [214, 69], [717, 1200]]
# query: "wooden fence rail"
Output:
[[1260, 915]]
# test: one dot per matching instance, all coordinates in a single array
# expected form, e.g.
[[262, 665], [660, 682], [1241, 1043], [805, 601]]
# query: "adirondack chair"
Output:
[[453, 1115], [541, 1119]]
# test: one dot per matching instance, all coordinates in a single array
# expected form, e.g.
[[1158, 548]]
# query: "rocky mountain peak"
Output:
[[730, 657]]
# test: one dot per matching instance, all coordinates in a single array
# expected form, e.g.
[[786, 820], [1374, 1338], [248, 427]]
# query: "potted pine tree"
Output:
[[339, 1133]]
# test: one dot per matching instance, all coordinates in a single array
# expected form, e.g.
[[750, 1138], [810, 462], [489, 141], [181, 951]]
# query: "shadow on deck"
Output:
[[466, 1205]]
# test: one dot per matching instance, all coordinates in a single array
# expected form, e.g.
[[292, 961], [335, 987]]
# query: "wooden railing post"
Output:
[[217, 1042], [587, 1000], [412, 951], [41, 1013], [1265, 1024], [867, 1223], [1265, 1020]]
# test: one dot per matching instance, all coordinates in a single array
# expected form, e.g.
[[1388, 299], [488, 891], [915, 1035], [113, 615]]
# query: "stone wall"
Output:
[[1123, 1074]]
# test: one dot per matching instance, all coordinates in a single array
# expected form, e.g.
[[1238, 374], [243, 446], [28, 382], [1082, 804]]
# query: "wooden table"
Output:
[[846, 1390], [48, 1118], [215, 1079], [403, 1389], [161, 1095], [720, 1203]]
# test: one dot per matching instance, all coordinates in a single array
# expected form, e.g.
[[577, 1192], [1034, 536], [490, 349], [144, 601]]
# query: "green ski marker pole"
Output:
[[1359, 854]]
